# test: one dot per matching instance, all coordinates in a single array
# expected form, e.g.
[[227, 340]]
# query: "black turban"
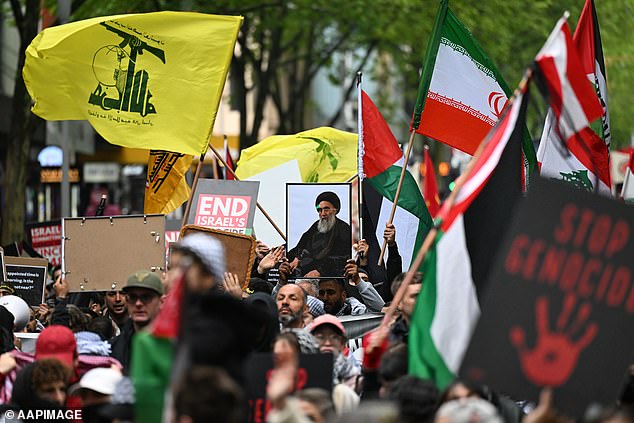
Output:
[[329, 196]]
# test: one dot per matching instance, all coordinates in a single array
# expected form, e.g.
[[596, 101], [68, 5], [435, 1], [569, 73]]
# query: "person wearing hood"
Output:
[[270, 328], [201, 258]]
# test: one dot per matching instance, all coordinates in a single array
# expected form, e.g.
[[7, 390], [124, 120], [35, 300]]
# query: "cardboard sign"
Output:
[[559, 307], [46, 239], [99, 253], [315, 371], [239, 250], [27, 276], [225, 205]]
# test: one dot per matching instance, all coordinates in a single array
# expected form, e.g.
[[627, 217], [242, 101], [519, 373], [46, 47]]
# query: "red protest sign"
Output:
[[225, 212], [46, 239]]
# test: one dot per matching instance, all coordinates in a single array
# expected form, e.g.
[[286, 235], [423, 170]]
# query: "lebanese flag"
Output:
[[628, 184], [382, 165], [457, 266], [570, 150], [430, 187], [587, 40]]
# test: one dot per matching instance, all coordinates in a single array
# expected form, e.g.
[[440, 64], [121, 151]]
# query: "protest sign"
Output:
[[559, 307], [314, 371], [239, 250], [46, 240], [3, 274], [224, 205], [99, 253], [322, 249], [27, 277]]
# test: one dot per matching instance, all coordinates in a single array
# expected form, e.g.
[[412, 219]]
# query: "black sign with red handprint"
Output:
[[559, 306]]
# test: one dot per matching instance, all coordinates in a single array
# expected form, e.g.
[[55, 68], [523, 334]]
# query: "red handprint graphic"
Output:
[[555, 354]]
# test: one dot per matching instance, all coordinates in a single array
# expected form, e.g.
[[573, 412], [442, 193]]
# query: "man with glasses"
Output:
[[143, 296], [326, 245]]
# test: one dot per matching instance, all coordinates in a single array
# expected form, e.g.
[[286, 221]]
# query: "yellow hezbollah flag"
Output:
[[323, 154], [151, 80], [165, 187]]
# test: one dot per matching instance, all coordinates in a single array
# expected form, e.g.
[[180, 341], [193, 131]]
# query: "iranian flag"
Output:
[[461, 93], [430, 186], [382, 165], [456, 268], [570, 149]]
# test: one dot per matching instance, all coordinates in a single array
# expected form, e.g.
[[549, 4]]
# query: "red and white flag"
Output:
[[570, 150], [430, 186]]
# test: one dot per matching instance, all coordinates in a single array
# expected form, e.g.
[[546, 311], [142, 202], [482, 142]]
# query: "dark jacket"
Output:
[[122, 345]]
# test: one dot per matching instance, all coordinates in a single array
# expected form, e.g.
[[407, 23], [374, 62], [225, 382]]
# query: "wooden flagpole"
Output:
[[398, 191], [228, 169], [194, 185]]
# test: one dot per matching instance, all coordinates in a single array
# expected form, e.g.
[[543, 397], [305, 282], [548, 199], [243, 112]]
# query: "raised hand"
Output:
[[351, 272], [271, 259], [232, 285], [555, 355], [390, 234]]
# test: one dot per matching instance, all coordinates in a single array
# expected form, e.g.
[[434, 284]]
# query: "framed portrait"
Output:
[[318, 227]]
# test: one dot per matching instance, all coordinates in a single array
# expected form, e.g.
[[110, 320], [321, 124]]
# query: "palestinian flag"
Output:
[[457, 266], [461, 93], [382, 165], [569, 149], [152, 358]]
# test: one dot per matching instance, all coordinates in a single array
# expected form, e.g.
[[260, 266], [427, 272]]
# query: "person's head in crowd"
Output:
[[57, 342], [116, 306], [416, 399], [102, 326], [121, 406], [50, 380], [6, 290], [269, 329], [616, 414], [286, 343], [259, 285], [333, 293], [459, 389], [97, 304], [77, 319], [467, 410], [406, 306], [6, 330], [327, 204], [311, 286], [203, 260], [330, 334], [207, 394], [314, 273], [393, 366], [315, 309], [95, 389], [143, 293], [291, 306], [316, 404], [372, 412]]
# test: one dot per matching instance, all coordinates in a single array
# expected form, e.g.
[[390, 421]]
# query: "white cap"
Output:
[[101, 379]]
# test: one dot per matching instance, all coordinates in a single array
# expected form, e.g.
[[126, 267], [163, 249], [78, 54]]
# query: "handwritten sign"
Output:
[[225, 205], [559, 306], [27, 276]]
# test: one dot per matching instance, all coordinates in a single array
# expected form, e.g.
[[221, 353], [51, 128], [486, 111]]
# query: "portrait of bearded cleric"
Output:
[[321, 236]]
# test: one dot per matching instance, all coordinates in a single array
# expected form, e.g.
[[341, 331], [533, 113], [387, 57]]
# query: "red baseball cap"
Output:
[[57, 342], [328, 319]]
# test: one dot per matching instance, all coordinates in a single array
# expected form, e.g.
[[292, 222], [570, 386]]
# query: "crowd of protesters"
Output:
[[84, 351]]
